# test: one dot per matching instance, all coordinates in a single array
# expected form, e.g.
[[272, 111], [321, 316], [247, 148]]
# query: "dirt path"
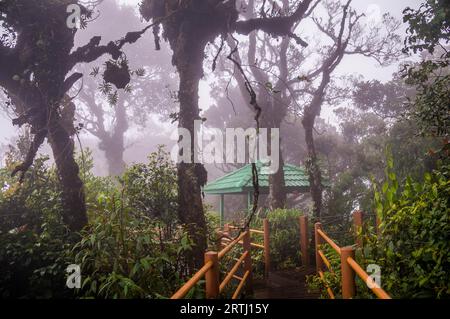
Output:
[[285, 284]]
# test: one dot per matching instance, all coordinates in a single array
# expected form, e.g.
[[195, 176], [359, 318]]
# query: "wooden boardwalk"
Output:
[[285, 284]]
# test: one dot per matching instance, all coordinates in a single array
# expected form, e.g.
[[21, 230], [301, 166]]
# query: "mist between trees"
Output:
[[240, 146]]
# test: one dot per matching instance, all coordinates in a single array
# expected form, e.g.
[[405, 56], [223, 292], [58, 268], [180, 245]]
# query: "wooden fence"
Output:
[[349, 267], [211, 268]]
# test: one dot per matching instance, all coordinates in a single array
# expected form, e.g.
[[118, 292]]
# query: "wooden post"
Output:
[[348, 274], [358, 223], [318, 241], [248, 262], [304, 240], [266, 248], [212, 275]]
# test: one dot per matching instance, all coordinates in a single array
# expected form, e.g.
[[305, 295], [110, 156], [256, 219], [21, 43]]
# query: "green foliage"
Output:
[[33, 264], [133, 246], [152, 187], [125, 254], [331, 279], [25, 203], [413, 248], [428, 31], [428, 25], [284, 237]]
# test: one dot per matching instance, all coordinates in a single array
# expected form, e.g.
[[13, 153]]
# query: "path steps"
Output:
[[285, 284]]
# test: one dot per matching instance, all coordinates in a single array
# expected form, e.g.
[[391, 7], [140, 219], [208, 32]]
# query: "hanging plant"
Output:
[[117, 73]]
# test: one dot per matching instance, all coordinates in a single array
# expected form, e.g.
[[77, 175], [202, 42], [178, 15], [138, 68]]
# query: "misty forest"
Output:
[[224, 149]]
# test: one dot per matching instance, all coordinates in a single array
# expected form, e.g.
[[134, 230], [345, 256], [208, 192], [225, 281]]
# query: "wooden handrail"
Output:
[[377, 290], [330, 292], [233, 270], [329, 241], [256, 231], [192, 282], [257, 245], [241, 285], [349, 267], [242, 242], [325, 260], [210, 269], [231, 245]]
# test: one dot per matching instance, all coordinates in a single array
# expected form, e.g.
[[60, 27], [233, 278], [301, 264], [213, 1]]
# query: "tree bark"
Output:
[[315, 177], [113, 144], [114, 150], [277, 191], [189, 52], [73, 198]]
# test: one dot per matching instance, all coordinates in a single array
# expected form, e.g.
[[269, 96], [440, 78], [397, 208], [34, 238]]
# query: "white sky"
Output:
[[354, 64]]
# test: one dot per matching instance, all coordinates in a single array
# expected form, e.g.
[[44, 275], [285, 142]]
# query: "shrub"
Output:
[[126, 251], [125, 254], [152, 187], [413, 249], [284, 237]]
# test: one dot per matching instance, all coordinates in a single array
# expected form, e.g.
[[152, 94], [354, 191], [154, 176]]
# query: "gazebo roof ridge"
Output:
[[239, 181]]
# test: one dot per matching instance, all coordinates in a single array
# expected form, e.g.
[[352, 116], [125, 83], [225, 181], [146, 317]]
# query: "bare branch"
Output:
[[277, 26]]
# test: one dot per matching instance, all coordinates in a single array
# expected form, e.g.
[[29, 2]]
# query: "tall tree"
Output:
[[287, 84], [342, 25], [36, 63], [108, 113], [267, 62], [188, 26]]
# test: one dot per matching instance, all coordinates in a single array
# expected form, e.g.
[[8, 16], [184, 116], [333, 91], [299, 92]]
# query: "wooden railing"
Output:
[[349, 267], [211, 268]]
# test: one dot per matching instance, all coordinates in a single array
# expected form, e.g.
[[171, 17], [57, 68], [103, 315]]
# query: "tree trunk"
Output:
[[272, 117], [114, 157], [114, 144], [72, 187], [191, 176], [315, 178], [277, 190]]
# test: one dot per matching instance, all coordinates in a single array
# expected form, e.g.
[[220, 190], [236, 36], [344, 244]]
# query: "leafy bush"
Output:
[[152, 188], [127, 250], [284, 237], [413, 248], [125, 254], [331, 279], [33, 264], [26, 203]]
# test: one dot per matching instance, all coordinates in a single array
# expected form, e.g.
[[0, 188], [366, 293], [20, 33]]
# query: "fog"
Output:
[[149, 123]]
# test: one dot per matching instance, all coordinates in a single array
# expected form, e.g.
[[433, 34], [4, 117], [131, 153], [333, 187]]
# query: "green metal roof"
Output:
[[240, 181]]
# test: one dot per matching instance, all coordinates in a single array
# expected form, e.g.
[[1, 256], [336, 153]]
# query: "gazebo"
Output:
[[240, 182]]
